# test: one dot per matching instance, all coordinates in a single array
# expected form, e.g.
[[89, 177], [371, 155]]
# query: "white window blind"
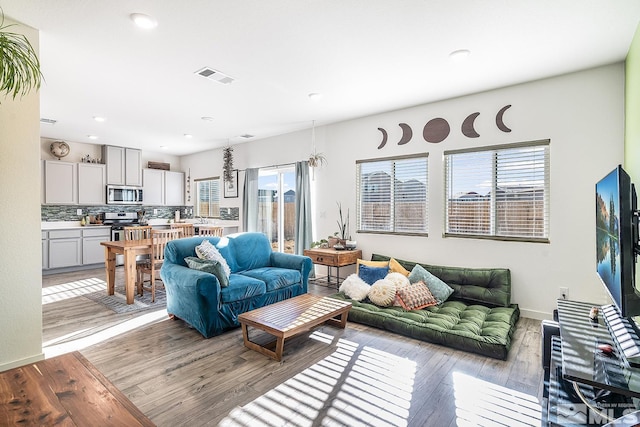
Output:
[[208, 197], [500, 192], [392, 195]]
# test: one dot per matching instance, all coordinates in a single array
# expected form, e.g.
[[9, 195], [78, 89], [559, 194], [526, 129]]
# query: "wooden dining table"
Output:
[[130, 249]]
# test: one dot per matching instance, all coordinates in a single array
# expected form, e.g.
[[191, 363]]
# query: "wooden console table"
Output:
[[333, 258], [65, 390]]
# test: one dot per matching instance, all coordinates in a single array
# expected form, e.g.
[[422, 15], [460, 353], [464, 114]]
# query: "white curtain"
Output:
[[250, 200], [303, 237]]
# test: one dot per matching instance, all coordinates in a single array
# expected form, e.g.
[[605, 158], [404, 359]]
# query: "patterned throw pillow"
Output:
[[372, 274], [438, 288], [206, 250], [354, 287], [382, 293], [396, 267], [415, 297], [398, 279], [209, 266]]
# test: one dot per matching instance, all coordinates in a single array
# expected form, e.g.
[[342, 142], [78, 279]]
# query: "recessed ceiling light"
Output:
[[99, 119], [207, 118], [314, 96], [144, 21], [247, 136], [92, 137], [188, 135], [460, 54], [164, 147]]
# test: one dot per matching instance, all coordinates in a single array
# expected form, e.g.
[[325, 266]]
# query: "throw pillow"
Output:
[[372, 274], [398, 279], [370, 264], [206, 250], [354, 287], [416, 296], [209, 266], [396, 267], [382, 293], [438, 288]]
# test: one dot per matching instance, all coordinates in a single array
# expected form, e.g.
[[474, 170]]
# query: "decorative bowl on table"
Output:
[[338, 247]]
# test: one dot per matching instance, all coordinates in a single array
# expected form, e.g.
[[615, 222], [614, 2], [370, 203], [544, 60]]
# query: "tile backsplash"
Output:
[[69, 212]]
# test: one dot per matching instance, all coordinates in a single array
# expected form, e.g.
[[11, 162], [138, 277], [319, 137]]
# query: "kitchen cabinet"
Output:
[[173, 188], [124, 165], [45, 250], [153, 187], [65, 248], [60, 182], [163, 188], [92, 251], [91, 183]]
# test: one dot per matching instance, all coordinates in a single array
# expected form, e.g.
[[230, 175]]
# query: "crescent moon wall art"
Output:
[[407, 133], [467, 126], [384, 138], [436, 130], [500, 121]]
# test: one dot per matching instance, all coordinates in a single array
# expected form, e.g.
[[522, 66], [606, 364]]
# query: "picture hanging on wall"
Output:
[[231, 185]]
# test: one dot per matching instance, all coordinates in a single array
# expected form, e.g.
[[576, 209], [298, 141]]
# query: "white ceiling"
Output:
[[363, 56]]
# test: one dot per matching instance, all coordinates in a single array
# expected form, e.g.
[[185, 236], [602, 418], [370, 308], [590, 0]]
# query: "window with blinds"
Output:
[[392, 195], [499, 192], [208, 197]]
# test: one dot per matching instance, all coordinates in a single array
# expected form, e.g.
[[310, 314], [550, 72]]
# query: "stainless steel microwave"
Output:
[[121, 195]]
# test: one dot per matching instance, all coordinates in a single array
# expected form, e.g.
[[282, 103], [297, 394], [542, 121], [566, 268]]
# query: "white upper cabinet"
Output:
[[91, 183], [60, 182], [124, 165], [163, 188]]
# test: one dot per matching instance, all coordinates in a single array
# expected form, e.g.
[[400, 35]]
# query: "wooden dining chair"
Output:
[[188, 230], [138, 232], [159, 240], [210, 231]]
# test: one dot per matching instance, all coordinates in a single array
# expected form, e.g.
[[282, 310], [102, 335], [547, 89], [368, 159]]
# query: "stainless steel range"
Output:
[[118, 221]]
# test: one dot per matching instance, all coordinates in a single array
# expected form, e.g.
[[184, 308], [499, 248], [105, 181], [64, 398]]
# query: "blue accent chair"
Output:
[[259, 277]]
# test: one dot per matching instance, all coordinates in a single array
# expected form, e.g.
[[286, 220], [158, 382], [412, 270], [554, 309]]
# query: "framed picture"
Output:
[[231, 187]]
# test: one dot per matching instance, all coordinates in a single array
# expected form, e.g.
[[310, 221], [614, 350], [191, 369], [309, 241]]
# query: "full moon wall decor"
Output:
[[438, 129]]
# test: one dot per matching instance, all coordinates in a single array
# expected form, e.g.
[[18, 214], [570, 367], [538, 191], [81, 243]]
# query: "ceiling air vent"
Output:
[[48, 121], [215, 75]]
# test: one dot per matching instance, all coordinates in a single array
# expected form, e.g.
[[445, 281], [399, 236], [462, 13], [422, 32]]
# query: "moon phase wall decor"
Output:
[[438, 129]]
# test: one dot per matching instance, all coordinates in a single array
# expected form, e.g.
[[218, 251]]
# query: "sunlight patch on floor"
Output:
[[104, 334], [353, 386], [72, 289], [481, 403]]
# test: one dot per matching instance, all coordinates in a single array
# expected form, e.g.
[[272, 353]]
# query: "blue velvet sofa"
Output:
[[258, 277]]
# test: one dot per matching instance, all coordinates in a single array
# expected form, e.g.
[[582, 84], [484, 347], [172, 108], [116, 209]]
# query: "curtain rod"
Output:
[[271, 166]]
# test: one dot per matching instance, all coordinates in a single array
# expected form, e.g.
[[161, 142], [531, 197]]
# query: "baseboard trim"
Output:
[[535, 314], [21, 362]]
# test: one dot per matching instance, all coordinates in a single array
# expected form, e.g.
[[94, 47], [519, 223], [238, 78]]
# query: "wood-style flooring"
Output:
[[353, 376]]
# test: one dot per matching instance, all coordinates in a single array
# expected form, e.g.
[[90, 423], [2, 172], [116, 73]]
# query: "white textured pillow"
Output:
[[354, 287], [383, 292], [398, 279], [206, 250]]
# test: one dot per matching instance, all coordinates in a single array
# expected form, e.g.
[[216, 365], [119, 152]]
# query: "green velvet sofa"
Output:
[[478, 317]]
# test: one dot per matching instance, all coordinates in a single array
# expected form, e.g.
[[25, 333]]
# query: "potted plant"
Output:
[[19, 63], [339, 238]]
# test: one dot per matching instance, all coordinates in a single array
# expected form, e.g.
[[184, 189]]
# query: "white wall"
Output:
[[20, 250], [581, 113]]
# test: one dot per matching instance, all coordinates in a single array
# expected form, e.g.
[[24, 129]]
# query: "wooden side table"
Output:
[[333, 258]]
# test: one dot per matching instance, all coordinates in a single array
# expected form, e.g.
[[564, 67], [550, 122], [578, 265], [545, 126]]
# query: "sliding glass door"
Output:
[[276, 207]]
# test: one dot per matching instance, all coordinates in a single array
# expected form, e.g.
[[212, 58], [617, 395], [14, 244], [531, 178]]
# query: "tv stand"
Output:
[[586, 386], [624, 334]]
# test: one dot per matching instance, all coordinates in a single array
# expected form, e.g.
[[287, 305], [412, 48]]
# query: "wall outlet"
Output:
[[78, 211], [564, 293]]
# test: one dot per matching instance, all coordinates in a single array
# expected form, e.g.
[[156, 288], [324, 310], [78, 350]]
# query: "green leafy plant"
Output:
[[19, 63], [343, 225]]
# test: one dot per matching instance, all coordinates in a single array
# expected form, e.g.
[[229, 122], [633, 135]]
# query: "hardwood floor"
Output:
[[354, 376]]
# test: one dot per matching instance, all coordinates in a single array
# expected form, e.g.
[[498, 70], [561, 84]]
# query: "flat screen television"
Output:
[[616, 251]]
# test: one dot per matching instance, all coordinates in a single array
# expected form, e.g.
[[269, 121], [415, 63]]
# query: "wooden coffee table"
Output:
[[290, 317]]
